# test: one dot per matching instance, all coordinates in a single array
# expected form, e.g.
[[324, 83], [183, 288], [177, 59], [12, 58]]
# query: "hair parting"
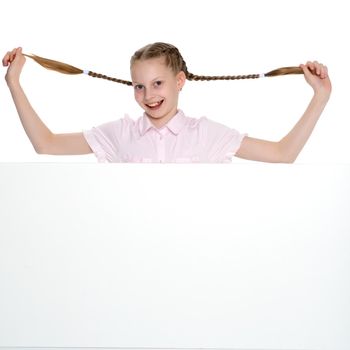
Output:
[[173, 59]]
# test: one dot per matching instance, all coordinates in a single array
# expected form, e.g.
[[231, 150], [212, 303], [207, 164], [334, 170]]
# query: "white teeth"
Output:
[[155, 104]]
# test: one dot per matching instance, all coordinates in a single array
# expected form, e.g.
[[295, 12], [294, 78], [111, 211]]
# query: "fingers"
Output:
[[10, 56], [315, 68]]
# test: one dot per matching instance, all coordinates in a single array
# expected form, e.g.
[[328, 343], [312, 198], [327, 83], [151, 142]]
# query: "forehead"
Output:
[[149, 69]]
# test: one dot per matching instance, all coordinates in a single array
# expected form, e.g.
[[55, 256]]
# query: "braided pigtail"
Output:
[[194, 77], [191, 76], [284, 71], [68, 69], [274, 73], [102, 76]]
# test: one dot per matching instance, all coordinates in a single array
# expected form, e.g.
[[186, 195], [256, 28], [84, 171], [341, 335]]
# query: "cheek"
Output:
[[138, 96], [174, 92], [170, 92]]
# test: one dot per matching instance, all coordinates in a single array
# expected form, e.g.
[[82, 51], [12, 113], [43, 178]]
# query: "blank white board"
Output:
[[240, 256]]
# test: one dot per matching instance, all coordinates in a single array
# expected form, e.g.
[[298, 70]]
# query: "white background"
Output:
[[215, 37], [282, 230]]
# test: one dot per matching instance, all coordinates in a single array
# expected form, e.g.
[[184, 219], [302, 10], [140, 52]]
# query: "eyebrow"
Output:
[[153, 80]]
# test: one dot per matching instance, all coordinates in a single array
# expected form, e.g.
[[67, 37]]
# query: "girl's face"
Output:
[[156, 89]]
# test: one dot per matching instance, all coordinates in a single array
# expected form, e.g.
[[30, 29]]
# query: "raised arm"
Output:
[[41, 137], [288, 148]]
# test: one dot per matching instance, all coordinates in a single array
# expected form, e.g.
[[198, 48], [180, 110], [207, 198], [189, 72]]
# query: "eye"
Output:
[[158, 83], [138, 87]]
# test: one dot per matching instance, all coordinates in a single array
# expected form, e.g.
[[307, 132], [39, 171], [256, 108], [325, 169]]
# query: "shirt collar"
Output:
[[175, 124]]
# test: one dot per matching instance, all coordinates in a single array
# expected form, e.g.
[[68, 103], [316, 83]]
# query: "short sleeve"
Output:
[[222, 142], [104, 141]]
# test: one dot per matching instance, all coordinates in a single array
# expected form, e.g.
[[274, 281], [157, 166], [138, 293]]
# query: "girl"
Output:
[[164, 133]]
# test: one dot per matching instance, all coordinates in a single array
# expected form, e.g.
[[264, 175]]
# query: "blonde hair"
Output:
[[173, 59]]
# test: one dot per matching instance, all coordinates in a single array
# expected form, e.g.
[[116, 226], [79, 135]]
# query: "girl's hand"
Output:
[[14, 60], [316, 74]]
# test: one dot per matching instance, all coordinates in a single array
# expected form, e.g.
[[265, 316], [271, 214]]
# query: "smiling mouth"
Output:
[[154, 105]]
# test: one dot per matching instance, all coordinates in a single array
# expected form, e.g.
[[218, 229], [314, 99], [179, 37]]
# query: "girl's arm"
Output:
[[288, 148], [42, 139]]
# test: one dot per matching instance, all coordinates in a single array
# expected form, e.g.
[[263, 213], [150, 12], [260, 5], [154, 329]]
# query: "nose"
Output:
[[149, 94]]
